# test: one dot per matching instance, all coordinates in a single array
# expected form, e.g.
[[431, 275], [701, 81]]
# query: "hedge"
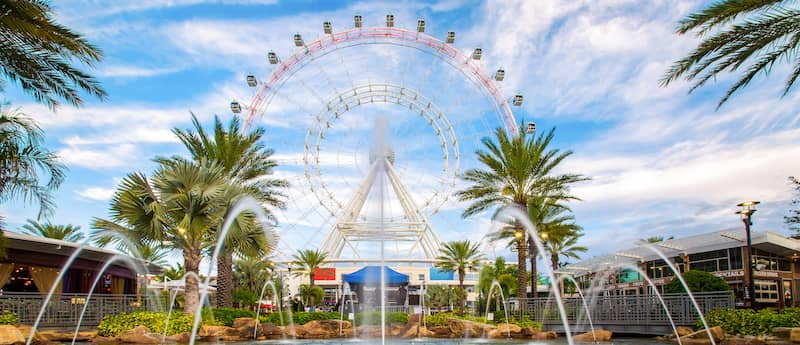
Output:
[[750, 322], [299, 318], [112, 325], [8, 318], [225, 316]]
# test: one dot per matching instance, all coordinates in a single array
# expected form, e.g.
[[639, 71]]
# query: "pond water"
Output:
[[430, 341]]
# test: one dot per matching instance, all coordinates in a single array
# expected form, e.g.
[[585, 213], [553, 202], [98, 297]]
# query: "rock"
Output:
[[215, 331], [26, 331], [66, 336], [11, 335], [599, 335], [244, 322], [106, 340], [789, 333], [139, 335], [545, 335], [462, 328], [183, 338], [321, 329], [683, 331], [716, 333]]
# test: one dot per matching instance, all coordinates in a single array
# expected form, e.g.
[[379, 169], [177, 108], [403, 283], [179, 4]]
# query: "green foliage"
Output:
[[300, 318], [245, 297], [8, 318], [698, 281], [374, 318], [225, 316], [439, 319], [750, 322], [155, 322], [528, 323]]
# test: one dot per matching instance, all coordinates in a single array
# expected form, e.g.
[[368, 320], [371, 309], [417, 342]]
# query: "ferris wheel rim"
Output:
[[400, 95], [446, 51]]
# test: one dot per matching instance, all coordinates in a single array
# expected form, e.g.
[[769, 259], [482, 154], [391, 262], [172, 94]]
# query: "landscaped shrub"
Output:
[[299, 318], [225, 316], [112, 325], [750, 322], [697, 281], [8, 318], [374, 318], [439, 319]]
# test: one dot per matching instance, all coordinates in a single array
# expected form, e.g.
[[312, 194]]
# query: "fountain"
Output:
[[271, 284], [583, 301], [496, 284]]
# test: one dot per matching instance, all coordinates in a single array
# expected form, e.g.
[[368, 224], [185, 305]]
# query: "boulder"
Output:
[[244, 322], [683, 331], [716, 333], [268, 330], [599, 335], [106, 340], [320, 329], [11, 335], [180, 337], [139, 335], [51, 335], [545, 335], [463, 328], [26, 331], [788, 333], [215, 331]]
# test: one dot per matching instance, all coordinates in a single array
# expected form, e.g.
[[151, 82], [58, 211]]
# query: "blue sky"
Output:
[[662, 162]]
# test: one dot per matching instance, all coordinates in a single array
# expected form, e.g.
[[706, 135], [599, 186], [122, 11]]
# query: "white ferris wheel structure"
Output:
[[331, 113]]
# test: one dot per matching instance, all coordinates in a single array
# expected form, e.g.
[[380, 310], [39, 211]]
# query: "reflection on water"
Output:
[[429, 341]]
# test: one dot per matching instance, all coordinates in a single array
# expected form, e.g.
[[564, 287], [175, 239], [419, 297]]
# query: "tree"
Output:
[[697, 281], [439, 296], [251, 273], [756, 33], [310, 294], [514, 169], [134, 246], [25, 162], [793, 219], [177, 208], [249, 163], [69, 232], [564, 244], [656, 239], [459, 256], [502, 273], [38, 52], [175, 272], [307, 261]]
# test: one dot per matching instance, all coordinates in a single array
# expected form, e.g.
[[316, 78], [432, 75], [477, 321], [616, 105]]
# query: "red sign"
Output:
[[325, 274]]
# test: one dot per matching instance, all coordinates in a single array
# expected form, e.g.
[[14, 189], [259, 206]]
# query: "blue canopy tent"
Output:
[[372, 275]]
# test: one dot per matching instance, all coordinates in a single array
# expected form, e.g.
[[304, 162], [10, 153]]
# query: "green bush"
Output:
[[225, 316], [374, 318], [112, 325], [439, 319], [697, 281], [299, 318], [751, 322], [8, 318]]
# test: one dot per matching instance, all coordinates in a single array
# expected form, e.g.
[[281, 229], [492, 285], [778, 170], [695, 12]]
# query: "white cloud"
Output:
[[120, 71], [118, 156], [96, 193]]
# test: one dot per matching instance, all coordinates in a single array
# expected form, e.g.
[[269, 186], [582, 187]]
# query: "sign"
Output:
[[769, 274], [325, 273], [437, 274], [490, 316], [729, 274]]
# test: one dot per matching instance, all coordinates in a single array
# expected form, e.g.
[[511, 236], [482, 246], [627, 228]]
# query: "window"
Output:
[[766, 291], [736, 258], [421, 277]]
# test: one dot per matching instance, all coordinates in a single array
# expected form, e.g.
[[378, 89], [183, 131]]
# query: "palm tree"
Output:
[[439, 296], [505, 276], [69, 232], [736, 33], [308, 261], [175, 272], [459, 256], [251, 273], [249, 163], [565, 245], [656, 239], [310, 295], [24, 161], [177, 208], [37, 52], [516, 168]]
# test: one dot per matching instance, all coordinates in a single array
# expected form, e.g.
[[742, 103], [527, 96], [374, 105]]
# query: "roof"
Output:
[[724, 239], [372, 275], [52, 246]]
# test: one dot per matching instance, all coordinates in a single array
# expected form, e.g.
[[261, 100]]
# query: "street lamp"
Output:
[[748, 208]]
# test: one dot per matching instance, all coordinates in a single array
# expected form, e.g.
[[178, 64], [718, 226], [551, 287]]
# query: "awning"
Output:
[[372, 275]]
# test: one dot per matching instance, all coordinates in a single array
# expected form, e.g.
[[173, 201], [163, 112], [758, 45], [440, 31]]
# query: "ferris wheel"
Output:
[[320, 101]]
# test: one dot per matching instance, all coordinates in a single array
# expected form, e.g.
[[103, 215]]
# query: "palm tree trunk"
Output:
[[225, 279], [522, 276], [191, 262], [534, 270], [461, 293], [554, 262]]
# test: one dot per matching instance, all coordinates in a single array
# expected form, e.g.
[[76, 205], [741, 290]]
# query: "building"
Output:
[[776, 266], [33, 265]]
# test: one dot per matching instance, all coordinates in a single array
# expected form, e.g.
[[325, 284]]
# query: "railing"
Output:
[[65, 310], [641, 310]]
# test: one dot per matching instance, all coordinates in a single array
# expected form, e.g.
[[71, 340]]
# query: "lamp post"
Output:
[[748, 208]]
